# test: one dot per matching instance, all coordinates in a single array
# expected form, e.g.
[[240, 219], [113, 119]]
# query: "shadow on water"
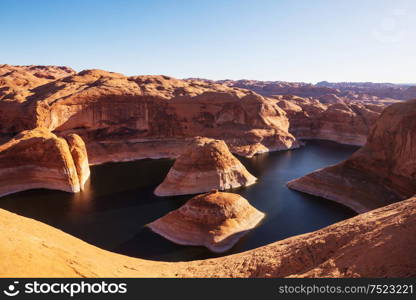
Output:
[[118, 202]]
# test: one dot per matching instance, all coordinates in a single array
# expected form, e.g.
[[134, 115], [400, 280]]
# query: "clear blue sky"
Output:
[[293, 40]]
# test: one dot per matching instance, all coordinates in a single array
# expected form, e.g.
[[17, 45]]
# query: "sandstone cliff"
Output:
[[125, 118], [345, 123], [17, 112], [381, 172], [379, 243], [39, 159], [215, 220], [204, 166]]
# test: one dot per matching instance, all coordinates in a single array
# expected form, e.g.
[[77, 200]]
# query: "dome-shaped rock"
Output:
[[215, 220], [205, 165]]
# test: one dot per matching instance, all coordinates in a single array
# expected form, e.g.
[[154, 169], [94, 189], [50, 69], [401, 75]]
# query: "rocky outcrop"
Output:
[[345, 123], [126, 118], [215, 220], [17, 112], [80, 157], [381, 172], [204, 166], [39, 159], [379, 243]]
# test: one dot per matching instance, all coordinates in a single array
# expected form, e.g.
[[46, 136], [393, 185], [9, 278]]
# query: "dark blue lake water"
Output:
[[118, 202]]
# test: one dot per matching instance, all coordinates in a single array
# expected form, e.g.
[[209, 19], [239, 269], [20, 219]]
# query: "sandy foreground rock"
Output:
[[204, 166], [215, 220], [39, 159], [381, 172], [379, 243]]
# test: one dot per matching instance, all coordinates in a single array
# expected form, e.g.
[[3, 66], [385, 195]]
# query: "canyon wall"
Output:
[[205, 165], [381, 172], [124, 118], [345, 123]]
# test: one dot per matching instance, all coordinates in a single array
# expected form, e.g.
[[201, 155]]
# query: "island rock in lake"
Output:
[[39, 159], [215, 220], [206, 165], [381, 172]]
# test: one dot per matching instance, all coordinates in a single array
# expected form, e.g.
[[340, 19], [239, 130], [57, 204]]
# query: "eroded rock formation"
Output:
[[215, 220], [39, 159], [381, 172], [125, 118], [345, 123], [379, 243], [204, 166]]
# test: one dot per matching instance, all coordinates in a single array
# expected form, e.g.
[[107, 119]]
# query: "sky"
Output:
[[288, 40]]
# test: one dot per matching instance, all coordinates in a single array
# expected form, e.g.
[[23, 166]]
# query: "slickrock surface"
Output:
[[206, 165], [381, 172], [345, 123], [379, 243], [115, 114], [39, 159], [215, 220]]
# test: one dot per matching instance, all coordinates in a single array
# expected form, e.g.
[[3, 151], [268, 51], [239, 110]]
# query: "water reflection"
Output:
[[118, 202]]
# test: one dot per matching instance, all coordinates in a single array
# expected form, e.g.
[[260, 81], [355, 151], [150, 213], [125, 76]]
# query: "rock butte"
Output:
[[215, 220], [381, 172], [205, 165], [356, 247], [39, 159]]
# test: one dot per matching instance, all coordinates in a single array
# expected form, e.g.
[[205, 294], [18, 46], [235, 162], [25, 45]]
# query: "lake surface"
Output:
[[118, 202]]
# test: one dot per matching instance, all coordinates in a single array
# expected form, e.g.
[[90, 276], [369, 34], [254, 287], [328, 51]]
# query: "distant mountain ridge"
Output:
[[346, 91]]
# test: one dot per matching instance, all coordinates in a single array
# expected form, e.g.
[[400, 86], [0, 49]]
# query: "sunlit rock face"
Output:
[[39, 159], [125, 118], [381, 172], [205, 165], [215, 220]]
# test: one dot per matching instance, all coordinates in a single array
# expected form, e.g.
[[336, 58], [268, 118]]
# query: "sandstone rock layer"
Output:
[[39, 159], [381, 172], [215, 220], [206, 165]]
